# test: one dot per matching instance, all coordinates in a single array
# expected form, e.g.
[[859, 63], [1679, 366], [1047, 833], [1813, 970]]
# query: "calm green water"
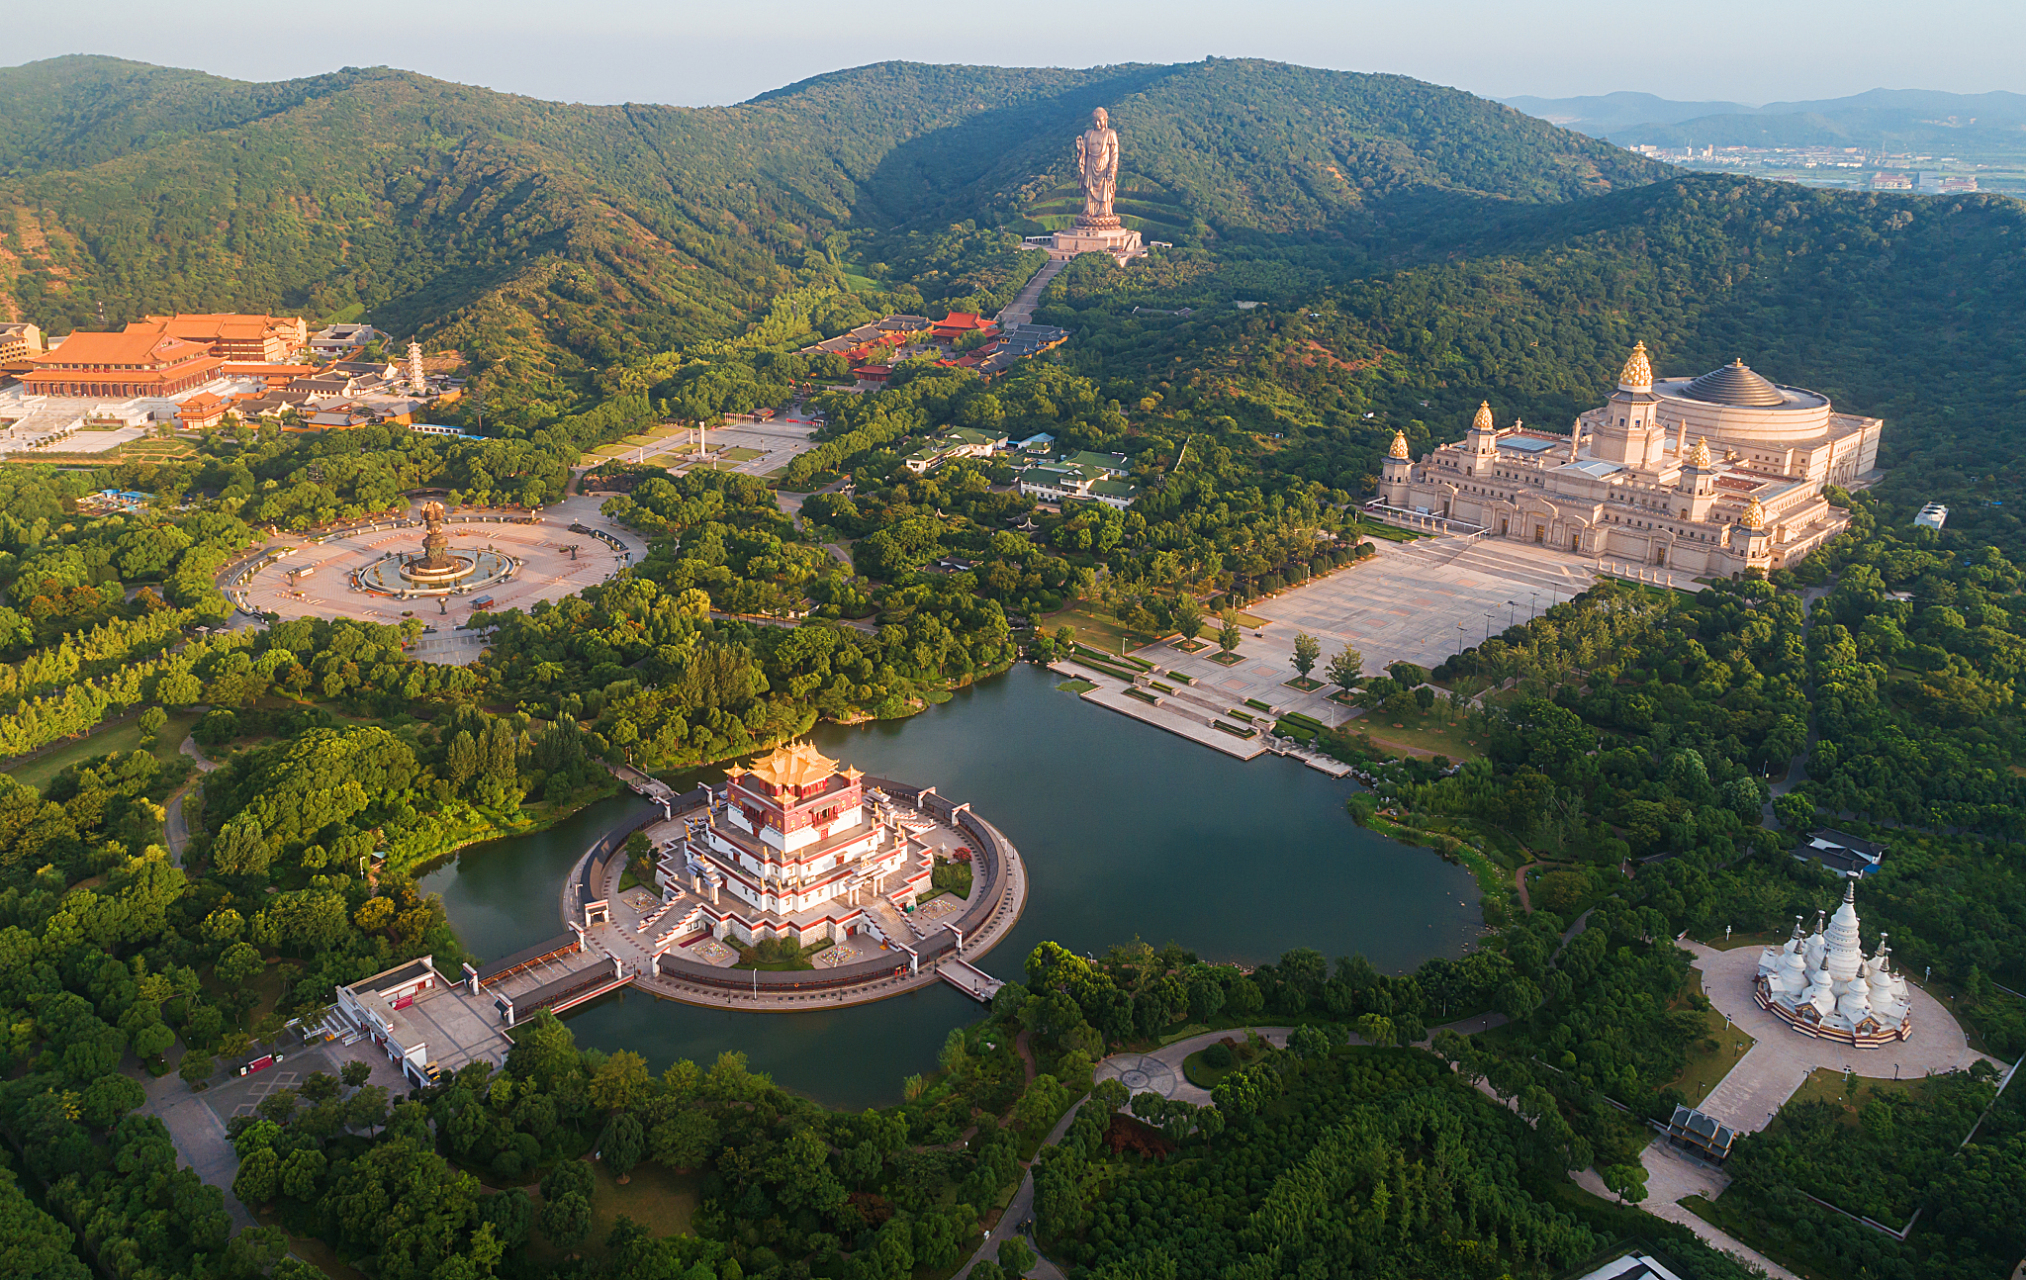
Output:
[[1127, 832]]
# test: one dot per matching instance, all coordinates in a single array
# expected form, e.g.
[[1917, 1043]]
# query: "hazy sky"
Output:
[[683, 51]]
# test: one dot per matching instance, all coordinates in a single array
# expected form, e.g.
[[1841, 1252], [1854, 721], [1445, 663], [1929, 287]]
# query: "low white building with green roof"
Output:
[[958, 442]]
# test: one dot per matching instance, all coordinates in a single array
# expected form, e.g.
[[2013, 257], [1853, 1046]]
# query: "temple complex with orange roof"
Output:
[[142, 361], [1714, 476], [795, 851], [245, 338]]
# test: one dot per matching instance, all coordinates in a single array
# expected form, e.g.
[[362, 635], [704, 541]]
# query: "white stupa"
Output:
[[1822, 985]]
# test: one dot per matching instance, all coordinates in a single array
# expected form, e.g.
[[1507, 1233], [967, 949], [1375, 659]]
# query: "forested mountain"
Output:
[[570, 236]]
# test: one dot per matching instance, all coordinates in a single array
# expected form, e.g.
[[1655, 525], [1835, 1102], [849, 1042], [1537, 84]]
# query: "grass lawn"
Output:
[[1825, 1084], [1303, 683], [743, 454], [1764, 938], [661, 1201], [1425, 733], [1226, 659], [126, 737], [1723, 1216], [1202, 1076], [1098, 630], [1707, 1066], [1076, 686]]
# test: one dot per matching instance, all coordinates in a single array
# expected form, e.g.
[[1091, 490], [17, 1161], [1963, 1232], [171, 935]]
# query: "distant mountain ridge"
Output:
[[1891, 118]]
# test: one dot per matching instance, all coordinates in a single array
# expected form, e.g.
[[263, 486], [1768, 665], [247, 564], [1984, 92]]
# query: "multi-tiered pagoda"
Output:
[[795, 850]]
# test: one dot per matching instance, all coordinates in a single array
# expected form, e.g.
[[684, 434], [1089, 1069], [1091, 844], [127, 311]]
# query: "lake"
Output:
[[1127, 832]]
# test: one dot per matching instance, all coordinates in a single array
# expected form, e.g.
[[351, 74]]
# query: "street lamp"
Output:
[[1487, 628], [1511, 612], [1533, 603]]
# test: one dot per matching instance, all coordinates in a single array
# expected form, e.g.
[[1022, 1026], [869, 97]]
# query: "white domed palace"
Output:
[[1714, 475], [1823, 986]]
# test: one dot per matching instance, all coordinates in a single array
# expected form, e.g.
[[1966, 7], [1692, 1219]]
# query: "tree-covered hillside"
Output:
[[570, 236]]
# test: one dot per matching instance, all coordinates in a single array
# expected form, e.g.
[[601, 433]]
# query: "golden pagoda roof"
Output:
[[1754, 516], [799, 764], [1399, 449], [1699, 456], [1482, 421], [1638, 370]]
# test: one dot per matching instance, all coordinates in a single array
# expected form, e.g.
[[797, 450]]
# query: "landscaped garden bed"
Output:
[[1144, 696], [1226, 659]]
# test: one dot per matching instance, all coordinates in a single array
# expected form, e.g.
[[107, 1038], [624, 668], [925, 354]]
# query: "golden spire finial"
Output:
[[1482, 422], [1754, 517], [1699, 456], [1638, 371], [1399, 449]]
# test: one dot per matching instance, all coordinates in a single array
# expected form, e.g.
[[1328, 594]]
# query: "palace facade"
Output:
[[1714, 475], [797, 850]]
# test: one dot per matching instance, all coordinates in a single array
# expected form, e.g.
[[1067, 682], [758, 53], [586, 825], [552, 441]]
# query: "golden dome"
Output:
[[1482, 422], [1399, 449], [1638, 370], [1755, 515], [1699, 456]]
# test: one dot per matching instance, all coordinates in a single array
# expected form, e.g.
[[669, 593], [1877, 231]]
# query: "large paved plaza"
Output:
[[751, 447], [1420, 602], [549, 571]]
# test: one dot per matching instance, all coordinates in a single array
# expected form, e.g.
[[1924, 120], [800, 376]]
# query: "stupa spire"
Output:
[[1637, 375]]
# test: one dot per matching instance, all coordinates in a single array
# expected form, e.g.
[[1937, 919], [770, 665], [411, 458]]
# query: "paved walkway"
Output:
[[1672, 1177], [1021, 309], [175, 829]]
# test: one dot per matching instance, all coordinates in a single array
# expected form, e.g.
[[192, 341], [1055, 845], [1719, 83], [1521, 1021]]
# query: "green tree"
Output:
[[1346, 669], [152, 721], [1188, 616], [259, 1177], [1306, 650], [1016, 1258], [625, 1142], [1230, 633], [196, 1068], [240, 965]]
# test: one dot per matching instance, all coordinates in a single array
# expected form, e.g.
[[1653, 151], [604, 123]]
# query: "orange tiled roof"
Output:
[[137, 345]]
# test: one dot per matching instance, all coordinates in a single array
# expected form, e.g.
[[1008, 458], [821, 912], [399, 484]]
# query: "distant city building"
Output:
[[1940, 184], [1932, 516], [1718, 474], [1883, 181]]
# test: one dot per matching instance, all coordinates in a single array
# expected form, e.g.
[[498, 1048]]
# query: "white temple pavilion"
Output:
[[1822, 985]]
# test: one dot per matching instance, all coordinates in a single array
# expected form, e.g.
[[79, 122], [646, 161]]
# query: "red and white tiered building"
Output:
[[795, 850]]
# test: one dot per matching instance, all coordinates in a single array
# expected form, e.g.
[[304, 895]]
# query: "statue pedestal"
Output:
[[1120, 243]]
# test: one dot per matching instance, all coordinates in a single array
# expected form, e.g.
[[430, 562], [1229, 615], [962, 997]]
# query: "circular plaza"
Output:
[[435, 564], [800, 883]]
